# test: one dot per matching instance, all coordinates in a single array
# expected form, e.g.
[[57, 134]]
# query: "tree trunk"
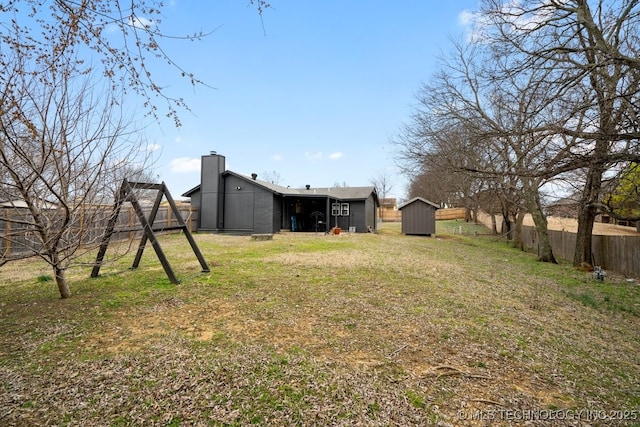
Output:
[[586, 218], [494, 224], [506, 229], [517, 234], [587, 212], [544, 246], [532, 201], [61, 281]]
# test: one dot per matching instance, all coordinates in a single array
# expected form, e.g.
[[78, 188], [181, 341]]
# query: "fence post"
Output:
[[7, 232]]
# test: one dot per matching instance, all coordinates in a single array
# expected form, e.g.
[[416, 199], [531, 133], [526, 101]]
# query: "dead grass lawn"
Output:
[[354, 329]]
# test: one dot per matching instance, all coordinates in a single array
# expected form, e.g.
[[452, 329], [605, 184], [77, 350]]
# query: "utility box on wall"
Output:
[[418, 217]]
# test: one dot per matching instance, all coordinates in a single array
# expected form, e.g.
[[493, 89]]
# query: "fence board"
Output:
[[620, 254], [450, 213], [389, 215], [17, 241]]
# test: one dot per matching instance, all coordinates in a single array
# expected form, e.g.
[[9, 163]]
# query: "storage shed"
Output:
[[418, 217]]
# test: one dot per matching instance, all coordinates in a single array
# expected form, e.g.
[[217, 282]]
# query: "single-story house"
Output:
[[234, 203], [418, 216]]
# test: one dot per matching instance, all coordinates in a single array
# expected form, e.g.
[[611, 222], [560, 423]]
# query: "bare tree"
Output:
[[273, 177], [63, 139], [436, 185], [544, 89], [383, 184], [127, 39], [595, 46], [60, 145], [476, 119]]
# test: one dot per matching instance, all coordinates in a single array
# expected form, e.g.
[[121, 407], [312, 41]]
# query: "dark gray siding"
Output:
[[195, 204], [239, 205], [418, 218], [370, 214], [356, 216], [212, 192], [249, 208], [361, 215], [209, 212], [277, 214], [263, 211]]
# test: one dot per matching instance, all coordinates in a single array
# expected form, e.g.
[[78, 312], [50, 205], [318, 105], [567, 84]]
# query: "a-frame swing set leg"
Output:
[[126, 193], [143, 240], [108, 232]]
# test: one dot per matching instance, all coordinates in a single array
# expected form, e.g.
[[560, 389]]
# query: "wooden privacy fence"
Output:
[[620, 254], [17, 241], [450, 213], [617, 253], [390, 215]]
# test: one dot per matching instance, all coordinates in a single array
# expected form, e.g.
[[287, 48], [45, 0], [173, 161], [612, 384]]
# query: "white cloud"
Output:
[[319, 155], [512, 16], [184, 165], [277, 157], [313, 156], [466, 17], [142, 23], [476, 25], [153, 147]]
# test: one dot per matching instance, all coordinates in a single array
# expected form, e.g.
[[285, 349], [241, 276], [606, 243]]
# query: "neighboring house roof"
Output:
[[23, 204], [342, 193], [389, 202], [418, 199], [190, 192], [566, 207], [566, 201]]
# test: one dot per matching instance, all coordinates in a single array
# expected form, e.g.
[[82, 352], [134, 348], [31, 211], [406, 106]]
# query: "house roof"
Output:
[[190, 191], [418, 199], [342, 193]]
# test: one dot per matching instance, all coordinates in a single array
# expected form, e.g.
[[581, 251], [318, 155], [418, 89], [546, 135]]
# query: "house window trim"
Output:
[[340, 209]]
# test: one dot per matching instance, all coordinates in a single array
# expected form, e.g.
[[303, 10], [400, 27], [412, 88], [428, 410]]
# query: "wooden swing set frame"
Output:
[[126, 194]]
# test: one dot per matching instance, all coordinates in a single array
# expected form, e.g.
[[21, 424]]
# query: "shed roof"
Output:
[[418, 199]]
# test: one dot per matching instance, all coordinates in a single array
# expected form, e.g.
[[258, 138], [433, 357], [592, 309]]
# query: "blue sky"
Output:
[[313, 91]]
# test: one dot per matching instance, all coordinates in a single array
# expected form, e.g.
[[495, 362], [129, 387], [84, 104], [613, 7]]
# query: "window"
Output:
[[339, 209]]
